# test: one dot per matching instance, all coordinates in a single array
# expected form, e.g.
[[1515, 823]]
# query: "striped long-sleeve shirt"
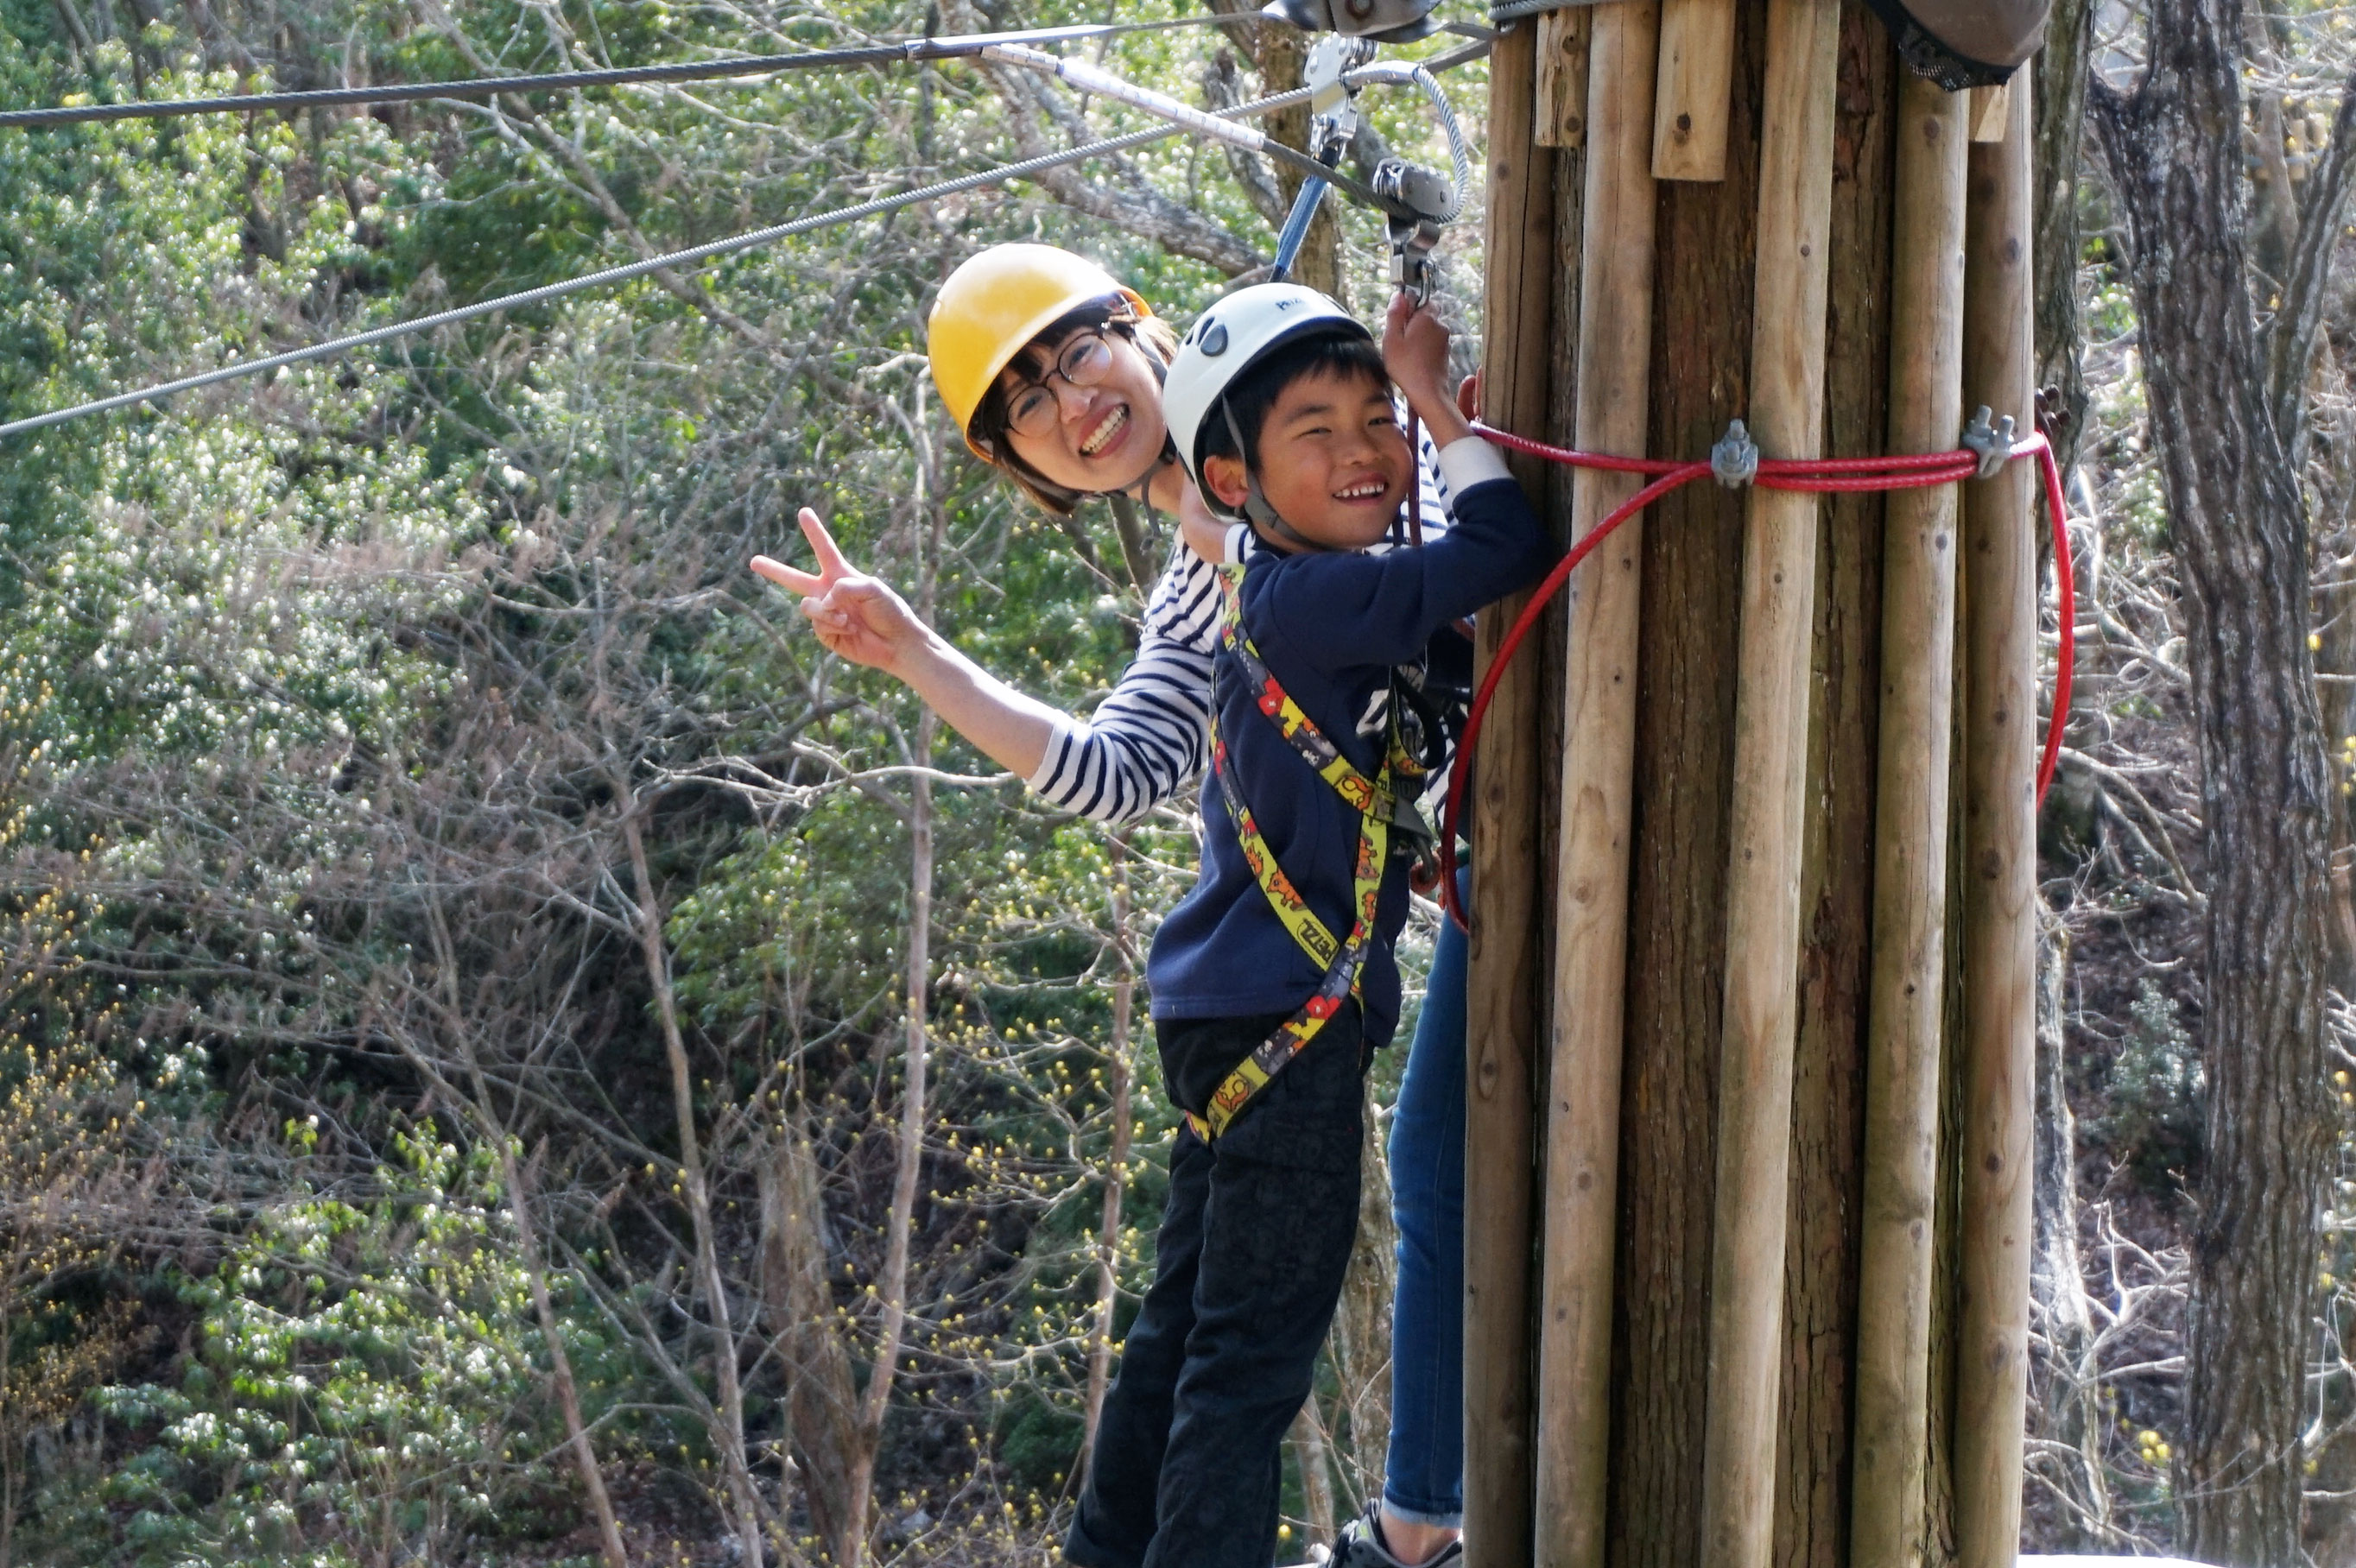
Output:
[[1151, 736]]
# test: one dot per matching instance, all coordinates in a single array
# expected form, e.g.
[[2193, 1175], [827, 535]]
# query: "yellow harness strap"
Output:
[[1345, 960]]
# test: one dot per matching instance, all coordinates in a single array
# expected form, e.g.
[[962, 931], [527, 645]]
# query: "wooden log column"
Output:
[[1755, 1088], [1590, 885], [1501, 1035], [1910, 884], [2000, 863]]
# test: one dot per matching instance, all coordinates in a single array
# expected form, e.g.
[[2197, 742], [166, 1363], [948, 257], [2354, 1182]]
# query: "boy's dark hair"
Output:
[[988, 426], [1252, 394]]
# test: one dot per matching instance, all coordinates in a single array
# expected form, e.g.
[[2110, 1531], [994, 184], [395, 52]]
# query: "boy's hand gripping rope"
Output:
[[1985, 454]]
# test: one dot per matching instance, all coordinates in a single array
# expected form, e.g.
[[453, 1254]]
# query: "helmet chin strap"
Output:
[[1256, 507]]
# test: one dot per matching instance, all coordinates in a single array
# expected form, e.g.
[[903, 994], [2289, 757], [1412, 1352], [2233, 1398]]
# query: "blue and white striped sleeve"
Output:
[[1149, 738]]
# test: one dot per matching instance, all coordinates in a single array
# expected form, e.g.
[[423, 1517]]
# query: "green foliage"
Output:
[[360, 1370], [332, 689], [2153, 1120]]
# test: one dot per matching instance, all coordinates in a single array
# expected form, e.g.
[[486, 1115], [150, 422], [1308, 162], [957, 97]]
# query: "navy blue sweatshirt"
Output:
[[1330, 627]]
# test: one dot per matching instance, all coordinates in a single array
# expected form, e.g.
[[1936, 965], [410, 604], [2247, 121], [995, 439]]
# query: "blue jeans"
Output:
[[1423, 1479]]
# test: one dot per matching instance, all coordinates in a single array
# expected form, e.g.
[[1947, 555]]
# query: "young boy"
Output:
[[1274, 979]]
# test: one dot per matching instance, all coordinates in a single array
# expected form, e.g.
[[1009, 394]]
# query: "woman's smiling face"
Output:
[[1107, 435]]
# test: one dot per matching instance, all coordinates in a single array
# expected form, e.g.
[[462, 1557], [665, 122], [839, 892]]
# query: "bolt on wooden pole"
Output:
[[1754, 1088], [1906, 994], [1694, 99], [1501, 1037], [1591, 887], [2000, 863]]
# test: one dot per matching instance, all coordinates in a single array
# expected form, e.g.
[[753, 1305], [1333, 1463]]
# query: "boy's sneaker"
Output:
[[1360, 1545]]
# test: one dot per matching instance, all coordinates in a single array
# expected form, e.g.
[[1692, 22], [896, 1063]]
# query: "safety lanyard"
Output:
[[1372, 799]]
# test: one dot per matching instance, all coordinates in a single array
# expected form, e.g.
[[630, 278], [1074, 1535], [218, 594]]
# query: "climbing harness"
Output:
[[1178, 116], [1380, 808], [1984, 451]]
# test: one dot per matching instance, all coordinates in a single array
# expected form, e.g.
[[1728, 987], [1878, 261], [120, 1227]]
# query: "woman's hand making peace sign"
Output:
[[860, 619], [856, 616]]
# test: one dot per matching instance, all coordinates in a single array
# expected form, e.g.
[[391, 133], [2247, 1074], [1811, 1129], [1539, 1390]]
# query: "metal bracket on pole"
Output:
[[1992, 442]]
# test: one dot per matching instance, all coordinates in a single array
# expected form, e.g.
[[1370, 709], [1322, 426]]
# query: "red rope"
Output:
[[1903, 471]]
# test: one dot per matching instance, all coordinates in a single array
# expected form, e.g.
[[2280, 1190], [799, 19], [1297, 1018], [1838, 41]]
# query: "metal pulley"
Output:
[[1385, 21], [1333, 123], [1416, 202]]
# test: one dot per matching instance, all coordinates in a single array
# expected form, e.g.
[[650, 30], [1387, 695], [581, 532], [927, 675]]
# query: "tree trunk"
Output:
[[729, 1438], [821, 1400], [2239, 526], [1117, 1067], [2071, 1404], [1360, 1341], [2058, 129]]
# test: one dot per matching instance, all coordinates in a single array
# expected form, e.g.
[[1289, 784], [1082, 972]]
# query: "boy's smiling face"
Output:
[[1333, 460]]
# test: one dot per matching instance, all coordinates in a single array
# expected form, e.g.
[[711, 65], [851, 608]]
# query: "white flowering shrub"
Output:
[[362, 1371]]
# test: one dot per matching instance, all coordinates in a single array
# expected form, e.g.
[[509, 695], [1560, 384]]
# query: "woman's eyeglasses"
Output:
[[1084, 361]]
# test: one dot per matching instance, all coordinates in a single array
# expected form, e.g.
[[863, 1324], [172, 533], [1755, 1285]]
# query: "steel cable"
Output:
[[1391, 75], [905, 52], [629, 271]]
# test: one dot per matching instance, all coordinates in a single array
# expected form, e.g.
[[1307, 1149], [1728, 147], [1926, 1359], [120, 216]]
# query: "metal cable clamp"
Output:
[[1992, 442], [1734, 457]]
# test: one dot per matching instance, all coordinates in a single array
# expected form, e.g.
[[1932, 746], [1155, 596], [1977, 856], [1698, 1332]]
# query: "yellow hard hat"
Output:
[[994, 304]]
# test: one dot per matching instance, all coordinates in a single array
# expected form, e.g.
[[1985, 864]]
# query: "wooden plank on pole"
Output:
[[1771, 698], [1694, 97], [2000, 736], [1562, 76], [1590, 886], [1910, 879], [1991, 112], [1501, 1040]]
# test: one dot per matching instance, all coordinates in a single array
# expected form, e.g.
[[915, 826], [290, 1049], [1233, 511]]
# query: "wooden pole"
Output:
[[2000, 861], [1695, 98], [1590, 886], [1991, 110], [1778, 571], [1562, 76], [1501, 1041], [1909, 877]]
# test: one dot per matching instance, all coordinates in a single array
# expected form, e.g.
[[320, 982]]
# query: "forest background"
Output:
[[511, 1055]]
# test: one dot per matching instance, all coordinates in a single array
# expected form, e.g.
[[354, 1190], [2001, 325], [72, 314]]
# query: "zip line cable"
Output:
[[908, 51], [623, 273], [1379, 73]]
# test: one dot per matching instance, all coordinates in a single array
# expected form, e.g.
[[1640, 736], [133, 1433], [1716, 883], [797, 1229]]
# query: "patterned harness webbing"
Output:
[[1375, 803]]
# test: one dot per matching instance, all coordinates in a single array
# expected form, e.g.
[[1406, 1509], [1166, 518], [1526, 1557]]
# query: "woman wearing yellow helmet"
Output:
[[1053, 370]]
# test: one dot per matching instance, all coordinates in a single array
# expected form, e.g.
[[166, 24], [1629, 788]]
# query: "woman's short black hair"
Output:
[[987, 428], [1252, 394]]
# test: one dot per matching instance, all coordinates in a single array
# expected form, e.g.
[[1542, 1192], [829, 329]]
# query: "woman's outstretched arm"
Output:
[[862, 620]]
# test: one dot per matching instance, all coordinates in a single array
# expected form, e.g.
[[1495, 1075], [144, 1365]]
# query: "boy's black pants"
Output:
[[1254, 1242]]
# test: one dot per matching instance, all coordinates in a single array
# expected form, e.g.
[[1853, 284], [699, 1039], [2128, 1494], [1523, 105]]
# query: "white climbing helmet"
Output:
[[1227, 340]]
